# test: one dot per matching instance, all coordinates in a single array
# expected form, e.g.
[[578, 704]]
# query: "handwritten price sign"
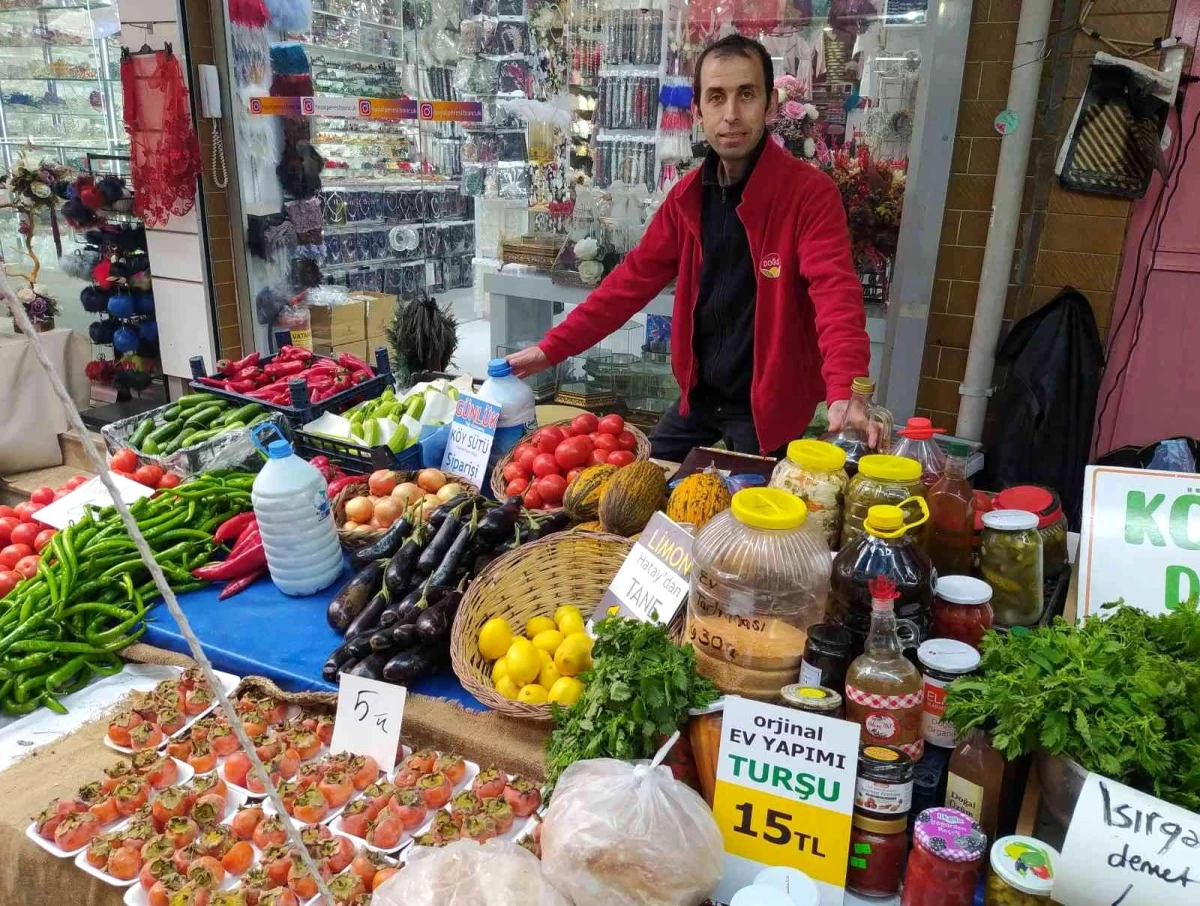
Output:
[[368, 719], [784, 795], [472, 433]]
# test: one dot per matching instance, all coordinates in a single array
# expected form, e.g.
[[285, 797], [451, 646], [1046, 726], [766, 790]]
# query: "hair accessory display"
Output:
[[248, 20], [627, 102], [295, 16], [632, 36]]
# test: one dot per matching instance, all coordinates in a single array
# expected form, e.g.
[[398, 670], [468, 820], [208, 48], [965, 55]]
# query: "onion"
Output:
[[388, 511], [407, 494], [428, 505], [431, 480], [448, 491], [359, 509]]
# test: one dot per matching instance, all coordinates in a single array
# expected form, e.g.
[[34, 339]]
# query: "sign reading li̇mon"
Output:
[[1139, 539]]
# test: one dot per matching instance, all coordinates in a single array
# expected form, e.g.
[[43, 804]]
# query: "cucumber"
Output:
[[205, 416], [192, 400], [149, 447], [165, 432], [258, 419], [178, 443], [172, 413], [242, 415], [145, 426]]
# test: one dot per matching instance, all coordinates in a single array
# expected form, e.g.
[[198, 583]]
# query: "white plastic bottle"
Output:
[[517, 412], [294, 519]]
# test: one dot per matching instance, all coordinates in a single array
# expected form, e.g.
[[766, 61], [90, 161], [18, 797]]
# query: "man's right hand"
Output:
[[528, 361]]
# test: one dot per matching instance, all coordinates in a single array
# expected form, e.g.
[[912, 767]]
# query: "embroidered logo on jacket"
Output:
[[769, 266]]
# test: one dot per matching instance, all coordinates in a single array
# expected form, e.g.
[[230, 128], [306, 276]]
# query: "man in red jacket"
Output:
[[768, 317]]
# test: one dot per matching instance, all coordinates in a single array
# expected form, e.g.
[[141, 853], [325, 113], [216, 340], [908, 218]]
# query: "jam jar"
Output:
[[1022, 873], [884, 787], [877, 849], [962, 609], [948, 850]]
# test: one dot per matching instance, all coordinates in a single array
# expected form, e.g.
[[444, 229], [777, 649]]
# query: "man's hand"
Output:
[[528, 361], [841, 414]]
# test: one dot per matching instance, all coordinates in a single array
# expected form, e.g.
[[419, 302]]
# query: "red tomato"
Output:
[[545, 444], [7, 524], [585, 423], [573, 474], [607, 442], [516, 487], [42, 495], [8, 579], [552, 488], [26, 510], [627, 441], [586, 442], [148, 475], [14, 552], [598, 457], [567, 431], [28, 566], [524, 455], [620, 458], [571, 453], [612, 424], [553, 433], [545, 464], [515, 470], [170, 480], [533, 499], [75, 482], [6, 510], [43, 538], [59, 495], [124, 460], [25, 533]]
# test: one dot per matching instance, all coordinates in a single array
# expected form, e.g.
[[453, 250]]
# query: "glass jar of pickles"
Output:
[[1052, 523], [814, 471], [1010, 561], [1022, 872], [881, 479]]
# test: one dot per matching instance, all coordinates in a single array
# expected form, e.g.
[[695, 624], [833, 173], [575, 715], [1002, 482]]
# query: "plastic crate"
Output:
[[302, 408], [357, 460]]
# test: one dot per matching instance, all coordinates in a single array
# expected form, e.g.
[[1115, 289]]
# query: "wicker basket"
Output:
[[533, 580], [352, 540], [640, 452]]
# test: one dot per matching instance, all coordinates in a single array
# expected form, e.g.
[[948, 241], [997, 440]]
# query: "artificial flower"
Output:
[[590, 272], [793, 110], [810, 147], [586, 249], [811, 111]]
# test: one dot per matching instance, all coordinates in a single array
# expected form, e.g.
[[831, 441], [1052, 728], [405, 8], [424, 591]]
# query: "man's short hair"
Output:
[[736, 45]]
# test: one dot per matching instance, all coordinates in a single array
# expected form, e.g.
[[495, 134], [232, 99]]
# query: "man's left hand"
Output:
[[840, 414]]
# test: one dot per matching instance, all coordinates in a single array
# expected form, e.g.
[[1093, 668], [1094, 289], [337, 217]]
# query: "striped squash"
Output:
[[698, 498]]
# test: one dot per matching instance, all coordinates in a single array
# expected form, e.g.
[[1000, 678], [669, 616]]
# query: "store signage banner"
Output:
[[368, 719], [1139, 539], [1125, 847], [369, 108], [653, 581], [784, 795], [472, 432]]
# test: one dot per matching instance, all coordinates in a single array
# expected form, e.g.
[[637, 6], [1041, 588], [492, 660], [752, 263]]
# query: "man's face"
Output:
[[732, 106]]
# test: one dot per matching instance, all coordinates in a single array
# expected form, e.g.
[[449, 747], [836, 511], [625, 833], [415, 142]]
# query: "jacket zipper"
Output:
[[719, 295]]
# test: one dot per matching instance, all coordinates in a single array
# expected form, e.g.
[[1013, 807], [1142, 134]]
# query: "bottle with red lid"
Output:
[[918, 444], [1052, 523], [943, 868]]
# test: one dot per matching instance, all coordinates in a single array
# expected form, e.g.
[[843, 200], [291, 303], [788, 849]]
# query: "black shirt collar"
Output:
[[708, 172]]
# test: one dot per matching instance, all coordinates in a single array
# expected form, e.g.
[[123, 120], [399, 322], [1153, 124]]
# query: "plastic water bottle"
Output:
[[294, 519], [517, 411]]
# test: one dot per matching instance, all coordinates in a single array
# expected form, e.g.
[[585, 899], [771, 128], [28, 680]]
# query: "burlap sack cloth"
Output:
[[29, 876]]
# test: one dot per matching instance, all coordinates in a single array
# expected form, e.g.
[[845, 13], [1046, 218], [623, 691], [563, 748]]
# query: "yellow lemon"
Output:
[[494, 638], [573, 656], [536, 625], [548, 641], [499, 669], [549, 674], [532, 694], [523, 661], [568, 619], [508, 688], [566, 691]]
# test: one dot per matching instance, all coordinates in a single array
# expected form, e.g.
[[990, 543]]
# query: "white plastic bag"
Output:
[[618, 834], [464, 873]]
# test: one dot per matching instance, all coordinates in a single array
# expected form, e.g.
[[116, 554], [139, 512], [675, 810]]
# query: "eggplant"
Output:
[[369, 618], [406, 610], [445, 570], [409, 666], [498, 524], [371, 666], [341, 656], [381, 639], [436, 550], [386, 546], [555, 522], [398, 574], [404, 636], [354, 595], [435, 622]]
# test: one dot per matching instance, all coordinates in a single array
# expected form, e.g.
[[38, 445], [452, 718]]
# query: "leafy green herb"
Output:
[[639, 689], [1118, 695]]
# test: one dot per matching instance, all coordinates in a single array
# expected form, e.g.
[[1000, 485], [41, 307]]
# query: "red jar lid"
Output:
[[1032, 498], [917, 428]]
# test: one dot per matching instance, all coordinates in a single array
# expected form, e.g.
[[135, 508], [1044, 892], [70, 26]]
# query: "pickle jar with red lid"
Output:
[[962, 609], [1052, 523], [943, 868]]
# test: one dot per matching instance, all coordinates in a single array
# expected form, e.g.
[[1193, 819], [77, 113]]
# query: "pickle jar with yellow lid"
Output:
[[814, 470], [1022, 874], [760, 578], [881, 479]]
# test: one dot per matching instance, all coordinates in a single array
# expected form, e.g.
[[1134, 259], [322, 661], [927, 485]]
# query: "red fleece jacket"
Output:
[[810, 329]]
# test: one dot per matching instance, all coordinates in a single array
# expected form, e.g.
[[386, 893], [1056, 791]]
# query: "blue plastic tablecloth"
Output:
[[267, 633]]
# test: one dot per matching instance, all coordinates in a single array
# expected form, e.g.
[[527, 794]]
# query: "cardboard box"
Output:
[[337, 325], [358, 348], [381, 308]]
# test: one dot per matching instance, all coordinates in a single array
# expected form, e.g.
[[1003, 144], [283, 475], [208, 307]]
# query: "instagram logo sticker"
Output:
[[426, 110], [364, 106]]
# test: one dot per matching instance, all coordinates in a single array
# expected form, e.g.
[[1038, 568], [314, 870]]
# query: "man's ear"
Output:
[[772, 101], [696, 115]]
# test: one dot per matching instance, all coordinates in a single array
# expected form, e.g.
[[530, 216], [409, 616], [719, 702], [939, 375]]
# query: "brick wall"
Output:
[[1066, 237]]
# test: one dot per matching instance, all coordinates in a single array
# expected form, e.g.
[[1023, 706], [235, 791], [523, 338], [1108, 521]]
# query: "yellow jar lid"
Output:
[[768, 508], [884, 518], [817, 455], [889, 468]]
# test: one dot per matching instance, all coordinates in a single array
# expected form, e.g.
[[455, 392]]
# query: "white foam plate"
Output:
[[81, 862], [228, 683], [269, 809], [315, 900]]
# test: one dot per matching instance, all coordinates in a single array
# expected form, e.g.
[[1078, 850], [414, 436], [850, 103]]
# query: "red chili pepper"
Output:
[[224, 366], [241, 386], [233, 527], [248, 373], [338, 483], [244, 562], [360, 377], [323, 365], [289, 368], [320, 382], [354, 363], [232, 588], [246, 361], [288, 353], [212, 382], [321, 463]]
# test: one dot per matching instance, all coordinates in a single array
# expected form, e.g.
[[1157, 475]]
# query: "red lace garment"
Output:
[[164, 151]]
